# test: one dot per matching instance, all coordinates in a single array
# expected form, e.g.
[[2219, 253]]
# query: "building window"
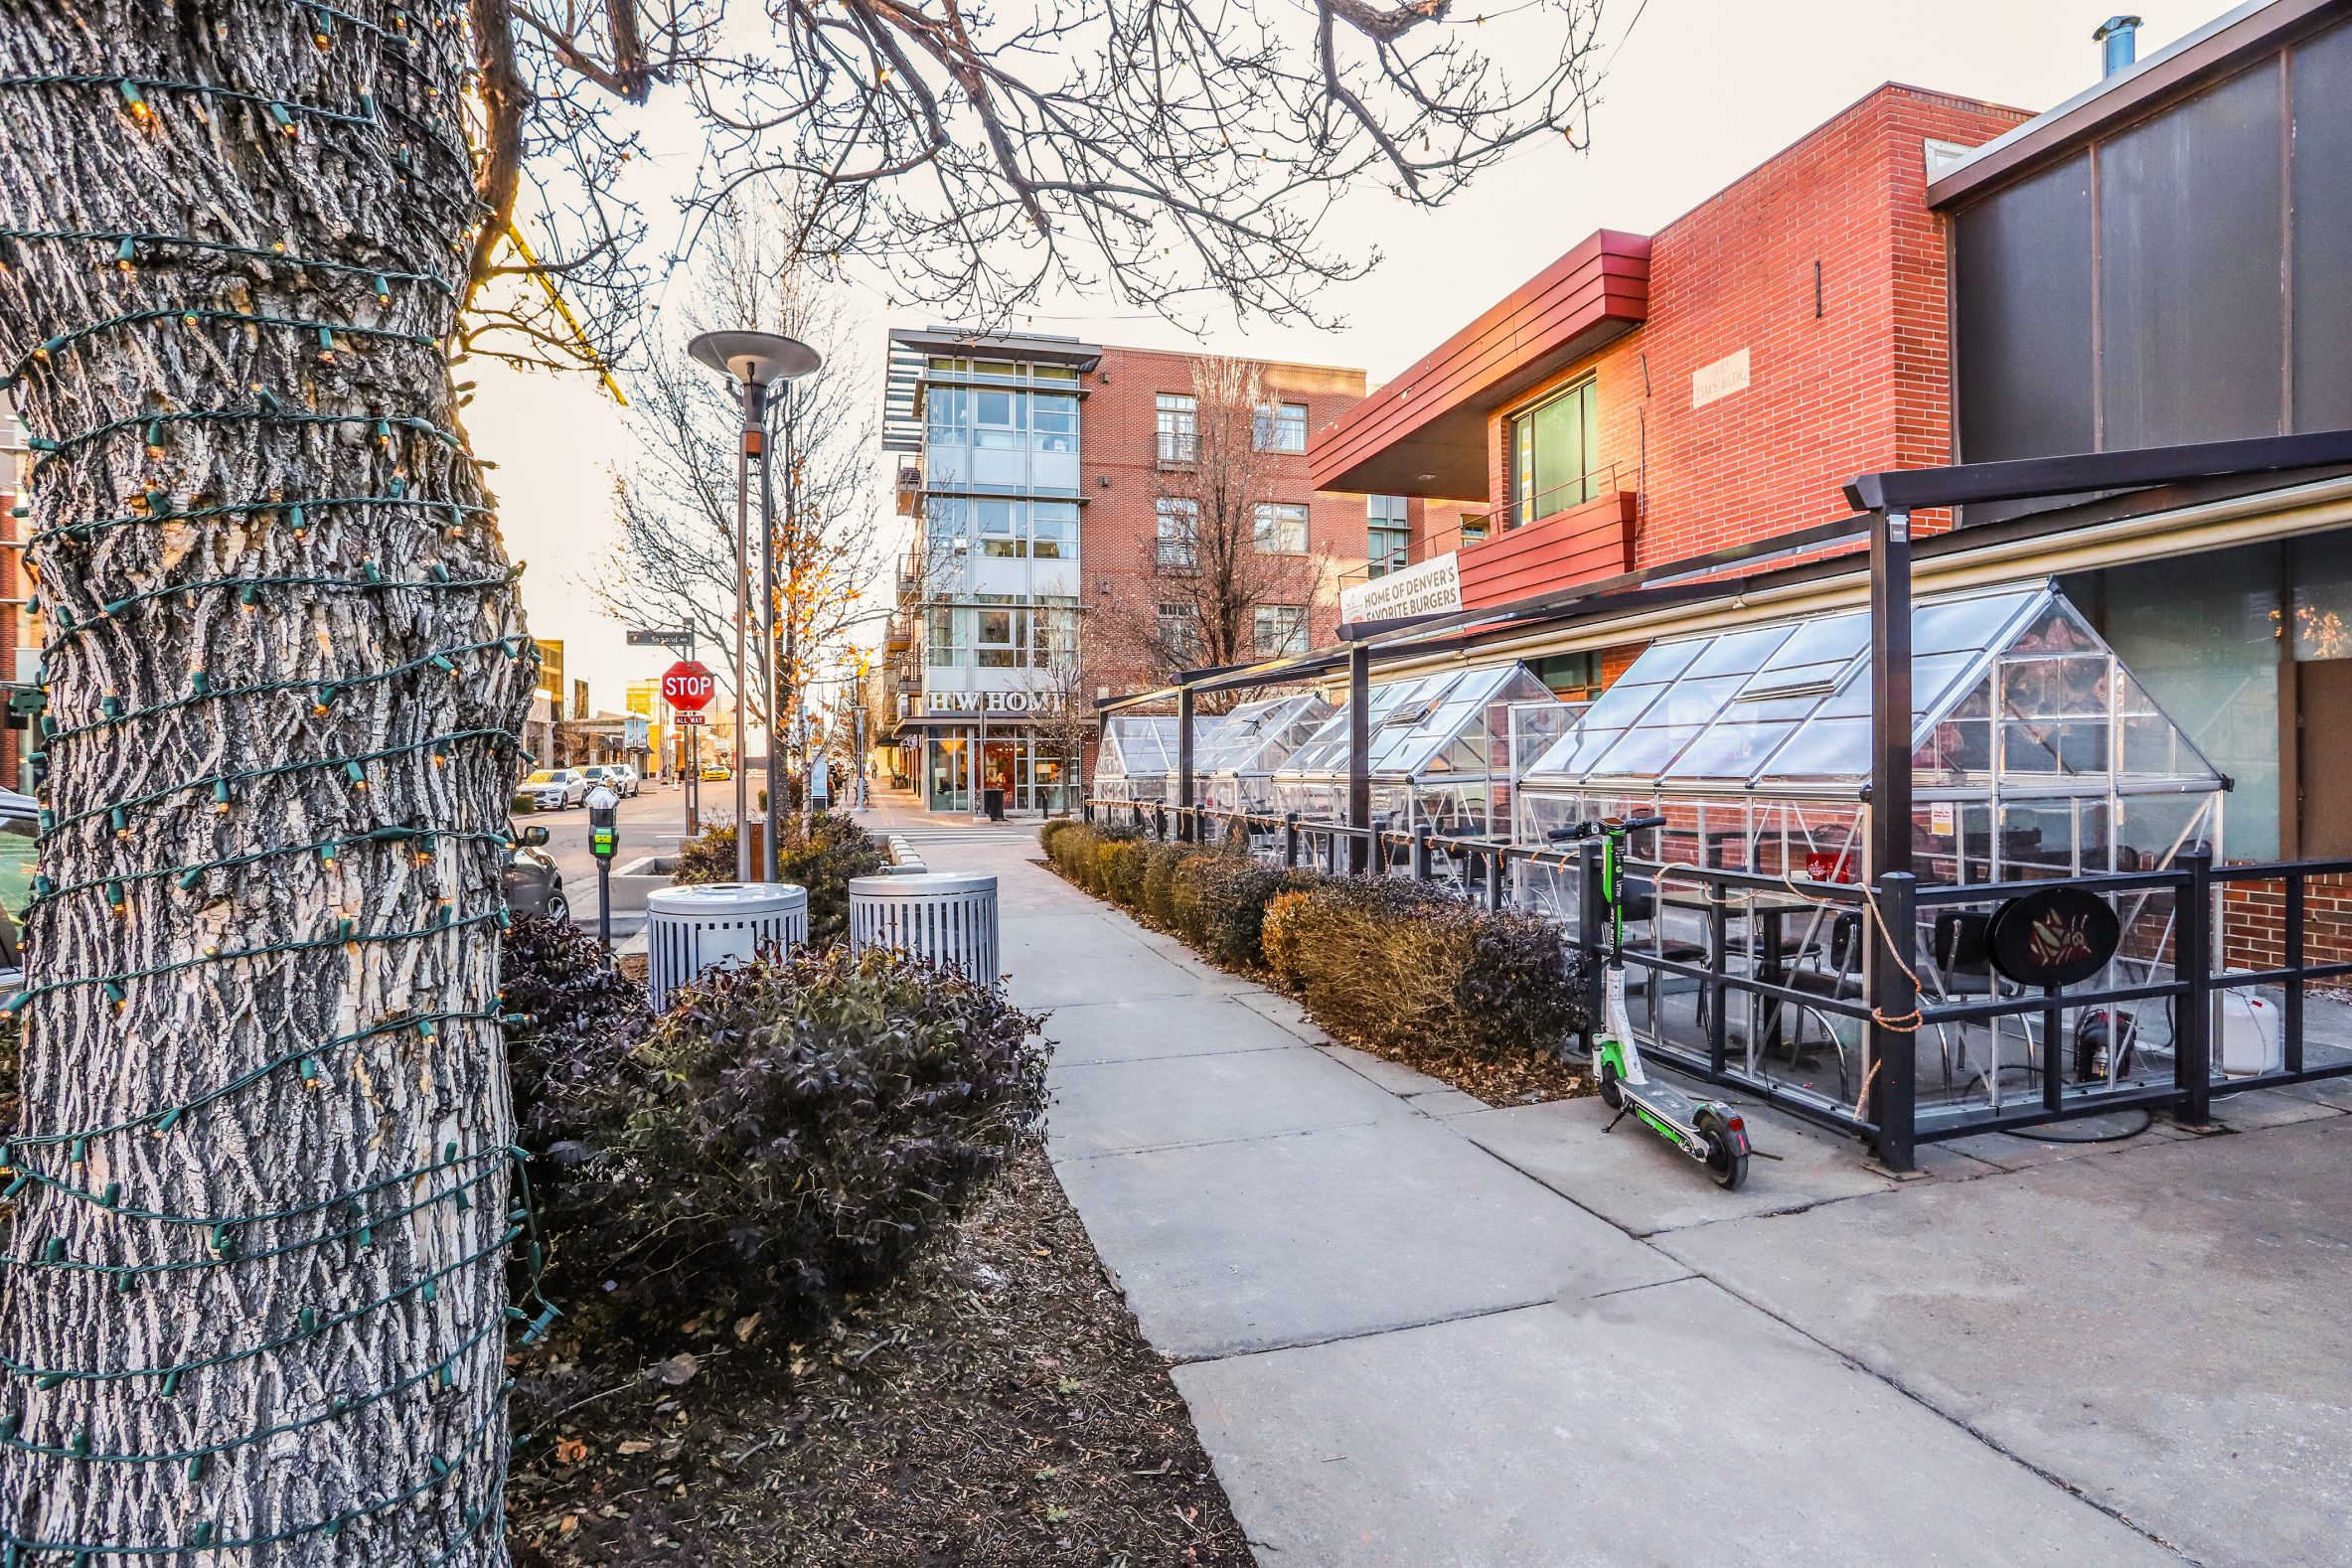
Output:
[[1179, 522], [1179, 633], [1281, 428], [1054, 530], [1281, 629], [1281, 527], [1388, 539], [1552, 448], [1572, 676], [1179, 427]]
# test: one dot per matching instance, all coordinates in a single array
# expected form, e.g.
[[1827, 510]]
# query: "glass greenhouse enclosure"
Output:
[[1137, 759], [2036, 754], [1440, 752], [1233, 767]]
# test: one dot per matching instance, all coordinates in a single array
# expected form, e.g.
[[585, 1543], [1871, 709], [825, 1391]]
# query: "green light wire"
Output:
[[443, 1470], [182, 1455], [155, 797], [326, 688], [136, 1271], [246, 1352], [230, 508], [51, 893], [56, 450], [246, 1080], [321, 944], [117, 237], [113, 608], [49, 348]]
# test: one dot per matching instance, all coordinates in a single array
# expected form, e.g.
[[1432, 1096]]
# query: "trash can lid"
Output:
[[906, 882], [727, 899]]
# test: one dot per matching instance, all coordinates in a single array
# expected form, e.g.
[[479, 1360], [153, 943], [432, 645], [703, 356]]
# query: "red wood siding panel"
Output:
[[1436, 411], [1583, 544]]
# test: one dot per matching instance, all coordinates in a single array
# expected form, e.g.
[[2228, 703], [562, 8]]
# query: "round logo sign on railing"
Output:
[[2054, 936]]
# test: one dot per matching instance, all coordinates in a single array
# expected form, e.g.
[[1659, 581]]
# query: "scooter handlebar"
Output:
[[1636, 824]]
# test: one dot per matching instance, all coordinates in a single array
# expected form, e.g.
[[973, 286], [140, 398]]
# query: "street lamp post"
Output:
[[754, 362]]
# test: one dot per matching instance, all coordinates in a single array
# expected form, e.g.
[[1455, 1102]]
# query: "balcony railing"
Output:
[[1180, 446]]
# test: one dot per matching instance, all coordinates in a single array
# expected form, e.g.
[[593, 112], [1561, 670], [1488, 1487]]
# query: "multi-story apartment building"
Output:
[[1042, 474]]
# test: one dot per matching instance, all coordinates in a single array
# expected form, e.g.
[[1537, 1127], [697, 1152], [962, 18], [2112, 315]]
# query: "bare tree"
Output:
[[677, 505], [256, 1300], [1230, 575], [1061, 718]]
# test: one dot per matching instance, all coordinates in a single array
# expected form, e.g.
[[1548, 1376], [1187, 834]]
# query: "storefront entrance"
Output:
[[1032, 777]]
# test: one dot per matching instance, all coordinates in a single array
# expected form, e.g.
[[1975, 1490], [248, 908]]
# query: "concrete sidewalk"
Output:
[[1416, 1330]]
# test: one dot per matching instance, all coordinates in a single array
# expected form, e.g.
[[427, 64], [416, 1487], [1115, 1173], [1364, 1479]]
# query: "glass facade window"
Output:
[[1281, 428], [1388, 533], [1281, 527], [1553, 450], [1006, 527], [1176, 422], [1281, 629], [1177, 524], [1009, 439]]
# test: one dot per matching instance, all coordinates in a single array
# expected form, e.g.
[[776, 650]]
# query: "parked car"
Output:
[[554, 789], [20, 822], [716, 773], [622, 777], [534, 883]]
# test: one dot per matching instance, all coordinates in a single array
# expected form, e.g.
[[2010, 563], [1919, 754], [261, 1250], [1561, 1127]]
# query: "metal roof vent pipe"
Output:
[[2118, 41]]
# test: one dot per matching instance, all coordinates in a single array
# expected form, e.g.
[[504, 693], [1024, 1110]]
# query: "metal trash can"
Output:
[[694, 928], [992, 804], [947, 917]]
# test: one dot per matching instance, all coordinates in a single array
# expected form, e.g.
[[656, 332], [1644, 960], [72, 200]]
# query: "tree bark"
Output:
[[284, 661]]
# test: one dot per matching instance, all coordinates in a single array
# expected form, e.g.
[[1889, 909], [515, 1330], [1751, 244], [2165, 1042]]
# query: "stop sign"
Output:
[[687, 685]]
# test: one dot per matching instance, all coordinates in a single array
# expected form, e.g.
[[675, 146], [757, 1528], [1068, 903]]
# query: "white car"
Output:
[[554, 789], [622, 777]]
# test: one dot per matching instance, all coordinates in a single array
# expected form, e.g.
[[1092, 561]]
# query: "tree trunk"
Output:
[[254, 1291]]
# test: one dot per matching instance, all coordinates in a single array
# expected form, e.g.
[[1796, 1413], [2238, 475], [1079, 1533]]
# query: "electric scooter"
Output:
[[1708, 1131]]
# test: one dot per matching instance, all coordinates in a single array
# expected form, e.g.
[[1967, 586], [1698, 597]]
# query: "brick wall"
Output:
[[1118, 443], [2254, 923], [1860, 384]]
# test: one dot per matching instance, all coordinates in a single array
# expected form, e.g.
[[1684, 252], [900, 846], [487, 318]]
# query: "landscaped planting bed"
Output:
[[1482, 999], [825, 1299], [998, 1408]]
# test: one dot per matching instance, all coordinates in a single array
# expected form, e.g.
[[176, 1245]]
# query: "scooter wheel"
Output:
[[1727, 1162], [1611, 1095]]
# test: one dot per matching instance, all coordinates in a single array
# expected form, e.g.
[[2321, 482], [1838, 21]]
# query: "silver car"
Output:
[[622, 777]]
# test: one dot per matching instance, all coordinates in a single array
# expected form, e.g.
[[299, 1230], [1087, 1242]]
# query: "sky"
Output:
[[1694, 93]]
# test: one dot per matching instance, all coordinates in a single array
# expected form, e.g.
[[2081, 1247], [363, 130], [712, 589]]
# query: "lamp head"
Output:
[[759, 358]]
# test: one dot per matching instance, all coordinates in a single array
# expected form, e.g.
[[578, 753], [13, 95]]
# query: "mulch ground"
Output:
[[1519, 1080], [999, 1408]]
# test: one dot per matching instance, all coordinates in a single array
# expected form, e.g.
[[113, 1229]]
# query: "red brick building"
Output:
[[1037, 471], [1649, 397]]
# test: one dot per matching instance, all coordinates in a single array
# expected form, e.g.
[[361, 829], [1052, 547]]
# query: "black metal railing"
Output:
[[1904, 1011]]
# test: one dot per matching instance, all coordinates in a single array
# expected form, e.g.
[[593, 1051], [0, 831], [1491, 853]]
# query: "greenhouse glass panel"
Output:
[[1438, 751], [1233, 768], [2035, 753], [1136, 757]]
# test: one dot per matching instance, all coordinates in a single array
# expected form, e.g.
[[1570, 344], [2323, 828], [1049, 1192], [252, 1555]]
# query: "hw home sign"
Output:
[[993, 701]]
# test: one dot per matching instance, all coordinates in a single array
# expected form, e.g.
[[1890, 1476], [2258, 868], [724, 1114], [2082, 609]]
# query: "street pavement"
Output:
[[651, 824], [1416, 1330]]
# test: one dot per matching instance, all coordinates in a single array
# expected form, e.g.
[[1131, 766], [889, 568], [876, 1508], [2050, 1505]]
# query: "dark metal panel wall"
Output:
[[2322, 277], [2022, 262], [2191, 311]]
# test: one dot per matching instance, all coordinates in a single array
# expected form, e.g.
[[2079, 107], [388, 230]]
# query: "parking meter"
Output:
[[604, 837]]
